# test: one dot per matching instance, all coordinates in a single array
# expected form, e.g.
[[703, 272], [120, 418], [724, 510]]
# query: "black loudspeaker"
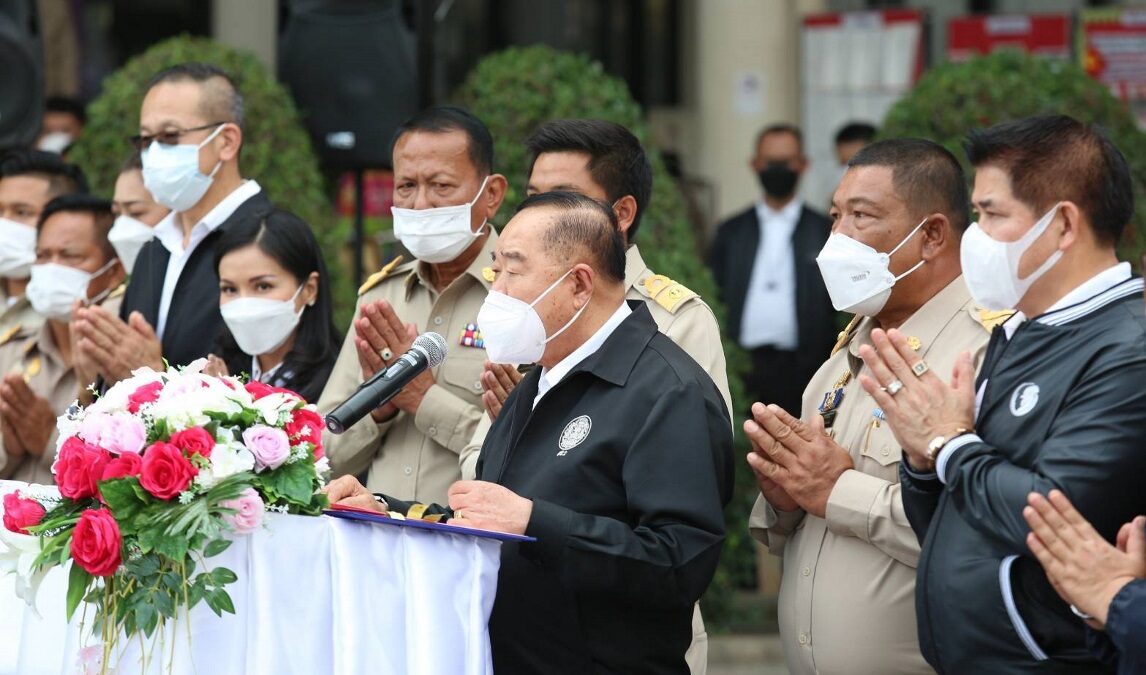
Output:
[[351, 66], [21, 73]]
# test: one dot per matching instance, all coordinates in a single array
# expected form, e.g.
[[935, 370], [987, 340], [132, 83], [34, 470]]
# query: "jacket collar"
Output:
[[617, 357]]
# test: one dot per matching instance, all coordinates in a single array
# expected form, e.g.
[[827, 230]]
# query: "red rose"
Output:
[[21, 513], [306, 425], [148, 393], [96, 542], [258, 390], [193, 441], [79, 466], [127, 464], [166, 472]]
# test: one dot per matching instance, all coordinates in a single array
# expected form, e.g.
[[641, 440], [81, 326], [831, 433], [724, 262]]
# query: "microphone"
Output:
[[428, 351]]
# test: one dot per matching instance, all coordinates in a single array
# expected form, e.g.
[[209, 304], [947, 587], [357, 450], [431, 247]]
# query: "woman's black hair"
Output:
[[290, 242]]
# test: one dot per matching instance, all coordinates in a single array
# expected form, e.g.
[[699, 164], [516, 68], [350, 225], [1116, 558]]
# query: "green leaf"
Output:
[[216, 547], [78, 580], [123, 497], [221, 576], [294, 482], [145, 618], [165, 605]]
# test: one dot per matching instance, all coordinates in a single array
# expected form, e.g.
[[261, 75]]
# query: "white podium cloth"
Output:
[[314, 595]]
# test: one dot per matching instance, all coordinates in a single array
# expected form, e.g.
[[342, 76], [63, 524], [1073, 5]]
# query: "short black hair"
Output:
[[67, 104], [584, 224], [440, 119], [924, 174], [617, 162], [290, 241], [1053, 158], [98, 208], [63, 178], [781, 128], [856, 131], [221, 101]]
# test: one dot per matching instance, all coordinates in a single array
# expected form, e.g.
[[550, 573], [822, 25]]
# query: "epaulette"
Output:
[[376, 278], [9, 334], [989, 319], [668, 293], [845, 335], [118, 292]]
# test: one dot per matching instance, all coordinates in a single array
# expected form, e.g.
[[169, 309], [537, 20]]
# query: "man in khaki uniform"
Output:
[[40, 378], [830, 502], [442, 159], [29, 179], [605, 161]]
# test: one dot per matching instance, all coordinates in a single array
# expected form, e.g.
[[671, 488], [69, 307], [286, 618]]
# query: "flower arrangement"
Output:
[[152, 476]]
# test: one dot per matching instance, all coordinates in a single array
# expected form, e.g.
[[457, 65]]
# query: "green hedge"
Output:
[[276, 148], [952, 99], [517, 90]]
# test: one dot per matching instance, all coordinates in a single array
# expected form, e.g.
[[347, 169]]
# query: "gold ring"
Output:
[[458, 515], [386, 354]]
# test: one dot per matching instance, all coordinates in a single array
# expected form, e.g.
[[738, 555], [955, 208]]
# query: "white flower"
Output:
[[276, 408], [115, 399], [229, 458]]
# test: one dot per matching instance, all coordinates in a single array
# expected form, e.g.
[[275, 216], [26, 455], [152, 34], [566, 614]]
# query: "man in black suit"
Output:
[[764, 262], [190, 135]]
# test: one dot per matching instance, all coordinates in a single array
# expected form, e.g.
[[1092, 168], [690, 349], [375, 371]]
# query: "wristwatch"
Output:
[[939, 442]]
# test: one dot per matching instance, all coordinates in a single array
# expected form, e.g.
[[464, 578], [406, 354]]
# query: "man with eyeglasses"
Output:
[[190, 135]]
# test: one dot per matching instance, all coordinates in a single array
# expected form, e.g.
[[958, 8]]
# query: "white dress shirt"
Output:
[[170, 233], [551, 376], [769, 317]]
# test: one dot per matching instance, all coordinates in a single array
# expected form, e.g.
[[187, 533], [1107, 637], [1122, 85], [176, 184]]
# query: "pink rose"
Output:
[[248, 515], [96, 543], [166, 472], [79, 466], [306, 425], [148, 393], [117, 433], [194, 441], [270, 446], [20, 513]]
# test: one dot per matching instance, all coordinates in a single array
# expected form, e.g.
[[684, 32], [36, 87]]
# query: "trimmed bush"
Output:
[[952, 99], [517, 90]]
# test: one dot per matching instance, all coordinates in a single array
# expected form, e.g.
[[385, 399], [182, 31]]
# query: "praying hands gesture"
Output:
[[919, 405], [112, 347], [796, 463], [497, 380], [380, 337], [28, 419]]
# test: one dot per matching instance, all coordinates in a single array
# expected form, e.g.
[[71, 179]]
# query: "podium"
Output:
[[314, 595]]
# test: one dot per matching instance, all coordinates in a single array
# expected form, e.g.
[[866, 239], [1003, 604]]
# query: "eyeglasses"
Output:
[[143, 141]]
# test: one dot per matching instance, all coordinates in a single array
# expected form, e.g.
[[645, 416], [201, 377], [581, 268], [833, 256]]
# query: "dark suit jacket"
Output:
[[193, 322], [733, 254]]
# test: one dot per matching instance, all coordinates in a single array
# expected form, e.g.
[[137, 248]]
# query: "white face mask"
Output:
[[991, 268], [437, 235], [54, 288], [55, 142], [17, 249], [857, 275], [260, 325], [127, 237], [513, 330], [171, 173]]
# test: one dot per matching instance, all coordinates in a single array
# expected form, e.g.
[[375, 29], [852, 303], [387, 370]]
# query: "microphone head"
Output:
[[433, 346]]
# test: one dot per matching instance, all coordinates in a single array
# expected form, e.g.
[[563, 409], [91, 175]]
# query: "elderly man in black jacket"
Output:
[[1059, 401], [190, 136], [615, 453]]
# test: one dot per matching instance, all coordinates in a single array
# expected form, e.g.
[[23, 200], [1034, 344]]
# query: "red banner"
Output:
[[1041, 34]]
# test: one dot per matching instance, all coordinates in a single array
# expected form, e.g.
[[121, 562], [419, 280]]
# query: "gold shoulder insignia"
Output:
[[668, 293], [376, 278], [845, 335], [488, 274], [119, 291], [7, 335], [990, 319]]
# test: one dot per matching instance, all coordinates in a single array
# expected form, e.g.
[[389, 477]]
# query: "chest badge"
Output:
[[1024, 398], [574, 434]]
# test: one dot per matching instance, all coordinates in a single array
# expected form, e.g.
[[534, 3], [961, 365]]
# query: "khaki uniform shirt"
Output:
[[34, 355], [415, 457], [847, 596], [17, 316]]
